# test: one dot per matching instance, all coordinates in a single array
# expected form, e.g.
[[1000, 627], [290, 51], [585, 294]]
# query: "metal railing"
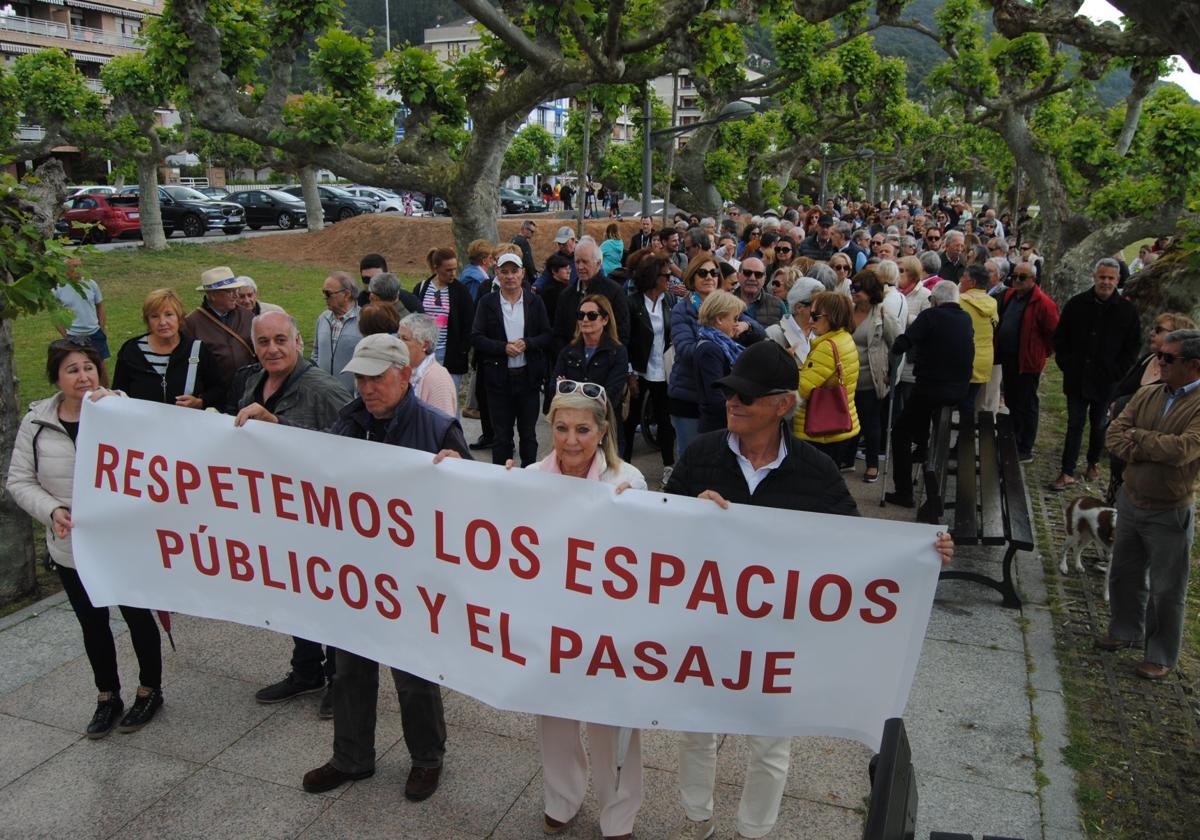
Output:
[[94, 84], [102, 36], [33, 26]]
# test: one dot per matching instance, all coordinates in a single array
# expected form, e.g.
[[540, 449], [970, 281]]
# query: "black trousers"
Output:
[[912, 427], [1080, 412], [1021, 396], [312, 662], [481, 402], [517, 403], [656, 392], [355, 698], [98, 637]]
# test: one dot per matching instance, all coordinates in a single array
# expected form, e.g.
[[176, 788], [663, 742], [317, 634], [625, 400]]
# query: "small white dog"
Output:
[[1089, 522]]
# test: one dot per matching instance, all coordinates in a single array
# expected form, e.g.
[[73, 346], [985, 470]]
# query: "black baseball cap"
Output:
[[763, 368]]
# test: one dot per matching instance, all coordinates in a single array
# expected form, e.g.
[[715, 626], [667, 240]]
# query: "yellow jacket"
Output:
[[819, 370], [982, 308]]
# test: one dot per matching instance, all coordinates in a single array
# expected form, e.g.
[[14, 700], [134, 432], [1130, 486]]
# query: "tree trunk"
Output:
[[474, 199], [17, 557], [312, 199], [150, 213]]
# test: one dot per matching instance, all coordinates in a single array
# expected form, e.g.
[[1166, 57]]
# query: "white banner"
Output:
[[532, 592]]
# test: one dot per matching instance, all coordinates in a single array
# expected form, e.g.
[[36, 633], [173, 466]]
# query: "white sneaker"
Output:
[[692, 830]]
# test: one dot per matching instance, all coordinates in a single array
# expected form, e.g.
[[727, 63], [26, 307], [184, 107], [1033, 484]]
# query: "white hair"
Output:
[[423, 328], [945, 291], [587, 243], [247, 282]]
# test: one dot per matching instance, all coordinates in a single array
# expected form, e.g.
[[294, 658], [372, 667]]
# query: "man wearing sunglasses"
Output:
[[1158, 436], [819, 244], [762, 306], [1097, 340], [1024, 341]]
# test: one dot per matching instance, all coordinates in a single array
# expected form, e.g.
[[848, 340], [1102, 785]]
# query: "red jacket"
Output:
[[1038, 324]]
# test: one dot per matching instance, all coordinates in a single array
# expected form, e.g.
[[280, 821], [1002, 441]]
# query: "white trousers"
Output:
[[766, 776], [565, 772], [989, 395]]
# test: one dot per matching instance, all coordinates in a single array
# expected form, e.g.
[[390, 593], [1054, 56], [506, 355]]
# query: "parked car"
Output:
[[219, 193], [512, 201], [194, 213], [112, 217], [385, 201], [87, 189], [336, 202], [270, 207]]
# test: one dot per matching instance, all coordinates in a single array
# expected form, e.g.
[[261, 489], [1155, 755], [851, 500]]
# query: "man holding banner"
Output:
[[295, 392], [754, 461], [387, 411]]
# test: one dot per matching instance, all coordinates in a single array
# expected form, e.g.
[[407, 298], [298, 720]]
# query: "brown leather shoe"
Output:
[[553, 826], [422, 782], [1107, 642], [1062, 483], [327, 777], [1152, 671], [1092, 474]]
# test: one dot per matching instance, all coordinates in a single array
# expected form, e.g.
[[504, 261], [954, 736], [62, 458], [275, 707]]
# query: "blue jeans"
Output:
[[686, 428]]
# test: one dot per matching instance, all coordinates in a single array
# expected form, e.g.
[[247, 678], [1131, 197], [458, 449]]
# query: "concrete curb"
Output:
[[33, 610]]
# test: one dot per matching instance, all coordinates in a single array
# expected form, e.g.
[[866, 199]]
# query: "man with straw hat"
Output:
[[220, 323]]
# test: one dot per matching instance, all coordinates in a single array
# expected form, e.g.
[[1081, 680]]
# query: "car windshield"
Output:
[[279, 195], [185, 194], [337, 191]]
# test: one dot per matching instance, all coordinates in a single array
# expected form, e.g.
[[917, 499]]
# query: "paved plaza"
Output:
[[215, 764]]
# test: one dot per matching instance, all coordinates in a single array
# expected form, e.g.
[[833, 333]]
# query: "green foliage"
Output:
[[530, 152], [31, 266], [9, 103], [344, 66], [51, 88], [428, 88]]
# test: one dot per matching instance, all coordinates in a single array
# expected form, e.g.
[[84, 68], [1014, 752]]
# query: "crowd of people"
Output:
[[766, 354]]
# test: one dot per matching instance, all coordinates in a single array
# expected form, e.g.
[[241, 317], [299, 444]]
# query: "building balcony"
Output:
[[33, 26], [36, 33], [89, 35]]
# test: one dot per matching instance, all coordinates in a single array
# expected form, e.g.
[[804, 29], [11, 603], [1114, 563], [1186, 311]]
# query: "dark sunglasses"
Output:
[[591, 315], [840, 267], [817, 316], [714, 273], [1159, 328], [933, 238], [746, 399], [1170, 358], [783, 250], [775, 284], [753, 274]]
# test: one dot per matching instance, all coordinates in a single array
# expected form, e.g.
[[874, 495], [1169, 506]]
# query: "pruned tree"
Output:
[[237, 58]]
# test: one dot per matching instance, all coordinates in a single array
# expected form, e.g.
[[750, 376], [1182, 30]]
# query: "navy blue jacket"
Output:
[[685, 328], [414, 425], [489, 338], [944, 342], [609, 366]]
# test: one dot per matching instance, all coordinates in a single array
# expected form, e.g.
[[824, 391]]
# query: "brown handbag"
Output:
[[828, 411]]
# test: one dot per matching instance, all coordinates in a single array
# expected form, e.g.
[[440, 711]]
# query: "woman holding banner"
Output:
[[584, 435], [39, 479]]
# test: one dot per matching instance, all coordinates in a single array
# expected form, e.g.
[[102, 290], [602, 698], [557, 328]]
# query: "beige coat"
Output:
[[40, 489]]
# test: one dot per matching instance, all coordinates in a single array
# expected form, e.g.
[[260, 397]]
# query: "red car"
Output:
[[113, 217]]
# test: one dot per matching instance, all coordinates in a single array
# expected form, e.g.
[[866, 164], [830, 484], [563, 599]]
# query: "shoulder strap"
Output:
[[221, 324], [189, 384], [837, 360]]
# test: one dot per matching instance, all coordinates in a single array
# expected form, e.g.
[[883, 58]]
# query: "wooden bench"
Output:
[[989, 505]]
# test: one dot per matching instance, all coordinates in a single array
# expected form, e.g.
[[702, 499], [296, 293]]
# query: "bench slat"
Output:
[[966, 514], [991, 520], [1020, 526], [937, 455]]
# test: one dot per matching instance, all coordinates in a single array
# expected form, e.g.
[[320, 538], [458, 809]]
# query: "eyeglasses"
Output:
[[1170, 358], [840, 267], [588, 389], [933, 238], [328, 294], [714, 273], [590, 315], [803, 303], [783, 250], [746, 399], [1022, 277], [775, 284], [1026, 247], [752, 275], [817, 316], [1159, 328]]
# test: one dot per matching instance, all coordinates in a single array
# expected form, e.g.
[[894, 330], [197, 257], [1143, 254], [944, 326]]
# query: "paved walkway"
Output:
[[215, 764]]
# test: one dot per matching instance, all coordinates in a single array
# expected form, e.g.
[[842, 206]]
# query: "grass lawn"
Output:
[[125, 277]]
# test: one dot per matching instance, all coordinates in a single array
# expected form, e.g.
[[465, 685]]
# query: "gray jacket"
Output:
[[310, 399], [332, 356]]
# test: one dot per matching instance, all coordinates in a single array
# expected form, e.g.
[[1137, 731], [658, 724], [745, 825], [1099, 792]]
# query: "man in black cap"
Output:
[[819, 244], [755, 461]]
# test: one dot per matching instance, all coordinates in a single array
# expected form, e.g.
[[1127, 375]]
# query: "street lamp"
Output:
[[736, 110], [826, 162]]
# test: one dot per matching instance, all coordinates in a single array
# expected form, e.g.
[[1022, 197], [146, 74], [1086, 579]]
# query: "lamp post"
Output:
[[736, 110], [387, 24]]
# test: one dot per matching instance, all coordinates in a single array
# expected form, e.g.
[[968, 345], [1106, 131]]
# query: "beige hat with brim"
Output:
[[219, 279], [376, 353]]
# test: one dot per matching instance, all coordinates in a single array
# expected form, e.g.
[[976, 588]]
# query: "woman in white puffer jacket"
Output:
[[39, 479]]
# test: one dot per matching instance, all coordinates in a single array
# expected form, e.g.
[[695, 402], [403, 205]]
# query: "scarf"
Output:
[[728, 346], [599, 465]]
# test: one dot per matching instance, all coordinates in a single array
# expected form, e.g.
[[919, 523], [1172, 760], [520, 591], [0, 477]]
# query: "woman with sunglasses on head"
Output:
[[40, 480], [702, 278], [583, 434], [595, 354]]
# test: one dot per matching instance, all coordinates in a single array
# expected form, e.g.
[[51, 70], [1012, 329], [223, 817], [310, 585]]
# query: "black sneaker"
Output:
[[483, 443], [108, 712], [325, 710], [286, 689], [142, 711]]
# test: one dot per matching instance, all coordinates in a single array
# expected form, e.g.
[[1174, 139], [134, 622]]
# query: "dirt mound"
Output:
[[403, 240]]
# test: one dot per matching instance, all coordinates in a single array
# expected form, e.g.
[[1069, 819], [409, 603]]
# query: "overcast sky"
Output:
[[1100, 10]]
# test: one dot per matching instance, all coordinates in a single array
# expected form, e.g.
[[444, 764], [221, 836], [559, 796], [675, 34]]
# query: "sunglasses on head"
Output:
[[753, 275], [746, 399], [590, 315], [1170, 358], [588, 389], [714, 273]]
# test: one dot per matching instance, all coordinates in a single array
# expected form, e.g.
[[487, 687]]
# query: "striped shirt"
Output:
[[158, 361], [437, 304]]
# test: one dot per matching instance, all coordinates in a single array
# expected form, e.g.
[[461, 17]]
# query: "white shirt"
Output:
[[656, 370], [514, 325], [896, 303], [755, 477], [420, 370]]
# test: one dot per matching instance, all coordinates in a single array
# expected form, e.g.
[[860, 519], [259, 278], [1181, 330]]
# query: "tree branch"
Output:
[[1144, 77], [1060, 20], [508, 32], [612, 31]]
